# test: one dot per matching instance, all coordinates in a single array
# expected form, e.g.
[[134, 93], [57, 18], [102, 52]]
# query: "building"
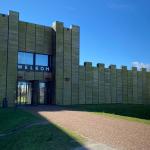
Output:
[[28, 60], [40, 65]]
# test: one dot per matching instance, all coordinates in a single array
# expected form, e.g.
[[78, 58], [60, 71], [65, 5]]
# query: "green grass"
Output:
[[39, 137], [11, 118], [138, 113]]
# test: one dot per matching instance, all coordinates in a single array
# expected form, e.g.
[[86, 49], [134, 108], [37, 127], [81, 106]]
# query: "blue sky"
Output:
[[112, 31]]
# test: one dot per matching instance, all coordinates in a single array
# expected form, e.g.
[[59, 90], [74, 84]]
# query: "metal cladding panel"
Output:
[[3, 55], [82, 99], [12, 57], [67, 67]]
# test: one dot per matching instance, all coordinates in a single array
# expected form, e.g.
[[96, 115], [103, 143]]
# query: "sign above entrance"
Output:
[[33, 68]]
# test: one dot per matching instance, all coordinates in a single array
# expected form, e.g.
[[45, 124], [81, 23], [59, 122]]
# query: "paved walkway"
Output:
[[105, 131]]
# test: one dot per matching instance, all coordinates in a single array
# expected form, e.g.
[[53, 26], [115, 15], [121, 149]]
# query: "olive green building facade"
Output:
[[40, 65]]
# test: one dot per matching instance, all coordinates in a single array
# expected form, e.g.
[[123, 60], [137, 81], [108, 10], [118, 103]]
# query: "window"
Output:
[[25, 58], [41, 60], [34, 62]]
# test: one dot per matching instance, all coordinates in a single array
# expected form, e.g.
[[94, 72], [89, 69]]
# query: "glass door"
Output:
[[24, 92], [42, 92]]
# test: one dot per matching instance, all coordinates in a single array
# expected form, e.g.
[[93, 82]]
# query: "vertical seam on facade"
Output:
[[25, 44], [92, 81], [85, 85], [71, 67], [25, 41], [98, 83], [35, 48], [17, 60], [7, 58], [110, 70], [62, 88]]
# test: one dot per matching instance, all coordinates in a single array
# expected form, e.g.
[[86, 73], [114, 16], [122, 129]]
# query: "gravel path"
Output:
[[115, 133]]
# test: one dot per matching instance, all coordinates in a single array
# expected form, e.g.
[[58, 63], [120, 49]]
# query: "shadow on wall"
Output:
[[130, 110]]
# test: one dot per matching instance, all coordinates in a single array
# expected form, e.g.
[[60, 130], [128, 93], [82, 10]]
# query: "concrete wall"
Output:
[[37, 39], [3, 55], [8, 56], [100, 85], [66, 64], [74, 84], [17, 36]]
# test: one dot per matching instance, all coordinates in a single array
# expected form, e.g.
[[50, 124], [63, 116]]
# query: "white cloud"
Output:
[[140, 65]]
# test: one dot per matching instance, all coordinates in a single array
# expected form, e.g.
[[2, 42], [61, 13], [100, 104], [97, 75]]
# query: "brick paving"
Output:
[[115, 133]]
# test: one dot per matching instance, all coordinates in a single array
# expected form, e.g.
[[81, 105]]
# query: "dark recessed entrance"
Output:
[[24, 92], [34, 92]]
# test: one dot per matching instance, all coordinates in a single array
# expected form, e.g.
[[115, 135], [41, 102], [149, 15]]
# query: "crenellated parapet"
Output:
[[101, 85]]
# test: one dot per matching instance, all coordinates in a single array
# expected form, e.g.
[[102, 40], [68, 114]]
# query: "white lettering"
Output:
[[42, 68], [36, 68], [31, 67], [26, 67], [47, 69], [20, 67]]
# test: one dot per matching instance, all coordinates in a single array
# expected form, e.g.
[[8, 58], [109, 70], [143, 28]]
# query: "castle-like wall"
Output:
[[17, 36], [100, 85], [73, 84], [66, 64], [8, 56]]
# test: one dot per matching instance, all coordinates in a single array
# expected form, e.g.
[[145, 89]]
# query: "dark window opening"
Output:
[[41, 60], [25, 58]]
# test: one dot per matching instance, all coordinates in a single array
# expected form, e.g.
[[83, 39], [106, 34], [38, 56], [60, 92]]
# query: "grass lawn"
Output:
[[38, 137], [139, 113]]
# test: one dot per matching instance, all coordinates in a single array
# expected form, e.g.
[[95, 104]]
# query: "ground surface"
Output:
[[105, 131], [20, 130]]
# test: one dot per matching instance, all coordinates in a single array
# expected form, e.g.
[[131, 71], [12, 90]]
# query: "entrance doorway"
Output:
[[42, 93], [34, 92], [24, 92]]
